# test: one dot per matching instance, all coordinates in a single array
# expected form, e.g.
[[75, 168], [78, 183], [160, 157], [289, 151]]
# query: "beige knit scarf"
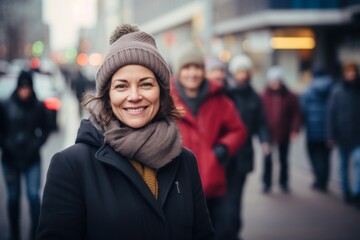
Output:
[[153, 145]]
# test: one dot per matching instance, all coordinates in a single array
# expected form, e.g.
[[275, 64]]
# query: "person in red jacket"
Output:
[[210, 127], [282, 112]]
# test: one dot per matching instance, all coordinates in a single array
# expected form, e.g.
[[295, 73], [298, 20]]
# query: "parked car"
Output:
[[3, 67], [45, 90]]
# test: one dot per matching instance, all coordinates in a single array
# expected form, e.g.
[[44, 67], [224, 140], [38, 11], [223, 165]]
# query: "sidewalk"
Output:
[[303, 214]]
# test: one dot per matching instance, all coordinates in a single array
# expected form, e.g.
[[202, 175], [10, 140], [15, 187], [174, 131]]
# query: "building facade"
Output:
[[295, 34], [20, 27]]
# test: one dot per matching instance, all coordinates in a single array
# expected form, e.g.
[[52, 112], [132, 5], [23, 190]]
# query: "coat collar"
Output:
[[165, 177]]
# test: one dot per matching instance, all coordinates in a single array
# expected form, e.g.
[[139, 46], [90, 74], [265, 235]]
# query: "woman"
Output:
[[127, 176], [210, 127]]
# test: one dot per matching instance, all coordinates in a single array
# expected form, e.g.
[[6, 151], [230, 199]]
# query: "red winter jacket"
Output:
[[282, 113], [217, 122]]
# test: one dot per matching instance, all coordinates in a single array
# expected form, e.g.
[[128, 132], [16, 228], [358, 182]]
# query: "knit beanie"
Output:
[[190, 54], [25, 79], [214, 63], [240, 63], [129, 45], [275, 74]]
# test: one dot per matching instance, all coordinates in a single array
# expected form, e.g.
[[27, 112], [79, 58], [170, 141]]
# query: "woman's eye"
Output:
[[119, 86], [146, 84]]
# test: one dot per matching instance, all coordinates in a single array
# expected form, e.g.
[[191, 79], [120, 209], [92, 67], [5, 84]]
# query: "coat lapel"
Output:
[[107, 155], [166, 177]]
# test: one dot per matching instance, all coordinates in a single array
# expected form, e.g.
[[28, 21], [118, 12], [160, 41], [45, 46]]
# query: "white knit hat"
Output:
[[274, 74], [240, 63]]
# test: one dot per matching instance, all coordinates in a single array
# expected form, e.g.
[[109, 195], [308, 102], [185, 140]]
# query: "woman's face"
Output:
[[191, 77], [134, 95]]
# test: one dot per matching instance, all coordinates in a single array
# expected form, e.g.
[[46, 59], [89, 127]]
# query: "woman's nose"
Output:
[[134, 95]]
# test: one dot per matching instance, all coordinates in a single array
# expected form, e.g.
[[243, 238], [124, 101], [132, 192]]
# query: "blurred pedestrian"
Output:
[[283, 116], [210, 127], [343, 128], [23, 131], [128, 175], [314, 104], [79, 85], [249, 106], [216, 71]]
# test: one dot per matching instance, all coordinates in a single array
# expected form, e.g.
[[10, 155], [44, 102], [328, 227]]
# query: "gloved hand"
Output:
[[221, 153]]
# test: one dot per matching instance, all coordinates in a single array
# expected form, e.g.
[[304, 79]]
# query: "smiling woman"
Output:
[[128, 175], [134, 95]]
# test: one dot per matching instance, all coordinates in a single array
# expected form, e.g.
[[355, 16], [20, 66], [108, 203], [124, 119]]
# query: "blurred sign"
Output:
[[258, 42]]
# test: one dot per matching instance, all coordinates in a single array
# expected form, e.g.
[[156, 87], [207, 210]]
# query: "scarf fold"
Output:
[[153, 145], [149, 176]]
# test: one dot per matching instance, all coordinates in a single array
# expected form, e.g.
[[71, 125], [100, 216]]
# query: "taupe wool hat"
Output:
[[190, 54], [129, 45]]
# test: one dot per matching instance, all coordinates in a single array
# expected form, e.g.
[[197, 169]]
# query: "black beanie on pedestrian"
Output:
[[25, 79]]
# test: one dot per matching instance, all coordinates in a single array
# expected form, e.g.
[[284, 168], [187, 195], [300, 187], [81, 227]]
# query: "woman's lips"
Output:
[[135, 110]]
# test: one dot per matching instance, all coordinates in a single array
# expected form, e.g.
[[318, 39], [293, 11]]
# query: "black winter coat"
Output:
[[24, 128], [92, 192], [343, 116], [249, 106]]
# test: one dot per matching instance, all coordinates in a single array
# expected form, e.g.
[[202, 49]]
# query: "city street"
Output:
[[303, 214]]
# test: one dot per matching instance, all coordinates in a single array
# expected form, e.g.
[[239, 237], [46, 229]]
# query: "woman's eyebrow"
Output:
[[145, 78], [119, 79], [141, 79]]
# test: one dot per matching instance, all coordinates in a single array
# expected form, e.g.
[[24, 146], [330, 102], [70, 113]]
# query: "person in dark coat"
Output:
[[249, 106], [283, 116], [343, 129], [24, 128], [313, 105], [128, 175], [209, 126]]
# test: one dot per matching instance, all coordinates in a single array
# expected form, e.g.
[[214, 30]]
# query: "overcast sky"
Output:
[[65, 18]]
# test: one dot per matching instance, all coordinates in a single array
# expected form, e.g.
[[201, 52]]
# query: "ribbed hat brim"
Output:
[[131, 56], [136, 48]]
